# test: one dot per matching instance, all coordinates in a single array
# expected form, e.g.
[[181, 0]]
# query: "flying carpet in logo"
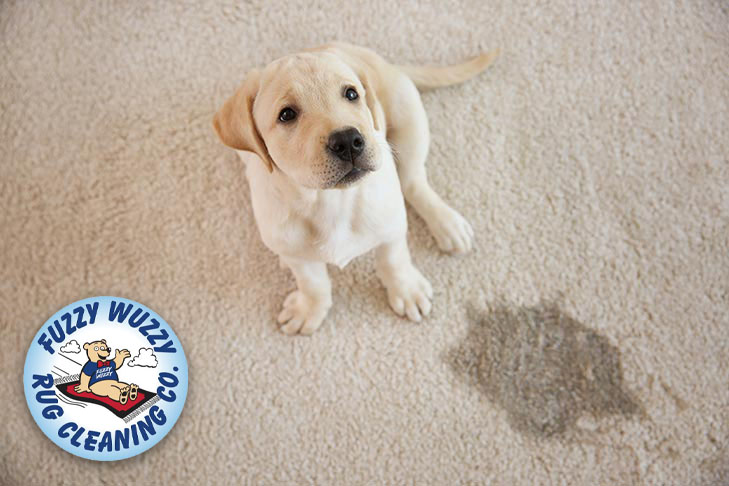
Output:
[[105, 378]]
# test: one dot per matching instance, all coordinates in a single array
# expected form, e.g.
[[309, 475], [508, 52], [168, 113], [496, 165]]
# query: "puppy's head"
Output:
[[310, 115]]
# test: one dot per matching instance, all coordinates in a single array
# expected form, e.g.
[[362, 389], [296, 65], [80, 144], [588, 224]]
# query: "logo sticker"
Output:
[[105, 378]]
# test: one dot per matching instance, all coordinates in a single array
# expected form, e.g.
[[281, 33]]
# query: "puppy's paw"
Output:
[[409, 294], [302, 314], [451, 230]]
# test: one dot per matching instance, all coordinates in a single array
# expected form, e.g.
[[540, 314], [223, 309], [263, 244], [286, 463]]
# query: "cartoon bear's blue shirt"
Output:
[[92, 369]]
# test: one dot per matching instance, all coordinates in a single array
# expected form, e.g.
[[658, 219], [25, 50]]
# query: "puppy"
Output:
[[317, 131]]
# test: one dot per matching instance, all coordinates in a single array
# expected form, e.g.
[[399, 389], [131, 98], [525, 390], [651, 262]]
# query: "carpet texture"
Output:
[[583, 341]]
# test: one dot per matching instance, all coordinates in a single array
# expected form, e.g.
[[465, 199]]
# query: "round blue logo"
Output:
[[105, 378]]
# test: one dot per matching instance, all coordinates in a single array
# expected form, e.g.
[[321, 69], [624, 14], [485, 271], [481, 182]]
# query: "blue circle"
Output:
[[162, 414]]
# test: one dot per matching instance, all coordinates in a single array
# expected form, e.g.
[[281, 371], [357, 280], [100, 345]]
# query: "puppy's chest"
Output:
[[338, 231], [332, 226]]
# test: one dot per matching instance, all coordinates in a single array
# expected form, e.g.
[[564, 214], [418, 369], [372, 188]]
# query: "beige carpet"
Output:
[[584, 341]]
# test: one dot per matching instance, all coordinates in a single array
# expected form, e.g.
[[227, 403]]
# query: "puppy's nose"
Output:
[[347, 144]]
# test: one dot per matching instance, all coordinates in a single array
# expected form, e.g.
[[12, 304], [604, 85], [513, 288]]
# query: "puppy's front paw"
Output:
[[302, 314], [409, 294], [451, 230]]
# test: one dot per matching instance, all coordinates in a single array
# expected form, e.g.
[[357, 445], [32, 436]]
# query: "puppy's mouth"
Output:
[[352, 176]]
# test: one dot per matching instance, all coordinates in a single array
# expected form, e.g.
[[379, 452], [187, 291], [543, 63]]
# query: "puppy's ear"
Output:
[[234, 122], [378, 116]]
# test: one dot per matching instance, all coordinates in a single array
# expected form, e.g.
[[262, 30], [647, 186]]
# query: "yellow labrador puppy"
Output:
[[333, 137]]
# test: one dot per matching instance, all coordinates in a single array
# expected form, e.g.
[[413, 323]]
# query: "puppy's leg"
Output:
[[410, 138], [305, 308], [408, 292]]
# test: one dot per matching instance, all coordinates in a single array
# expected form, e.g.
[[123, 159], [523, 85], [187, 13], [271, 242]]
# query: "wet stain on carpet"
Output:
[[543, 367]]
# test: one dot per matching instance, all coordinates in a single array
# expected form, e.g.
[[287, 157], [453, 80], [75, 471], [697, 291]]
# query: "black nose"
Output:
[[347, 144]]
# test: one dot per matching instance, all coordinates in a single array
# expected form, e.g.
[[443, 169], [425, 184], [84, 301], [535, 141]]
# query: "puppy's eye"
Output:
[[351, 94], [286, 115]]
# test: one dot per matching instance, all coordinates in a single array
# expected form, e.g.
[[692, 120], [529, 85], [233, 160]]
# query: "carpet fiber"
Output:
[[583, 341]]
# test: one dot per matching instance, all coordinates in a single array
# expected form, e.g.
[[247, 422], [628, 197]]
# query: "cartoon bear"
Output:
[[99, 377]]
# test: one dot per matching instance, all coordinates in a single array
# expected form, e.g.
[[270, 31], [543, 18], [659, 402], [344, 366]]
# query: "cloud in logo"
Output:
[[71, 347], [145, 357]]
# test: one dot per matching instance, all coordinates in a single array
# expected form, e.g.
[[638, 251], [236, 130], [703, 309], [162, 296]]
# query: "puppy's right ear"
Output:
[[378, 116], [234, 122]]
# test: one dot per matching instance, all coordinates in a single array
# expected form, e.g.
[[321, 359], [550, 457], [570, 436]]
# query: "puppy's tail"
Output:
[[429, 77]]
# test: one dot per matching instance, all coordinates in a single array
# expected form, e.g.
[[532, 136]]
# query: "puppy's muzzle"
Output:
[[346, 144]]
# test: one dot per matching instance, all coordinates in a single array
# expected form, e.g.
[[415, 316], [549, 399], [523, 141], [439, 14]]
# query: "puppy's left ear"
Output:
[[235, 125], [378, 115]]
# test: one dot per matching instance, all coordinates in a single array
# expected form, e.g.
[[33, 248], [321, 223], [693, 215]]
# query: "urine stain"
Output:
[[542, 366]]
